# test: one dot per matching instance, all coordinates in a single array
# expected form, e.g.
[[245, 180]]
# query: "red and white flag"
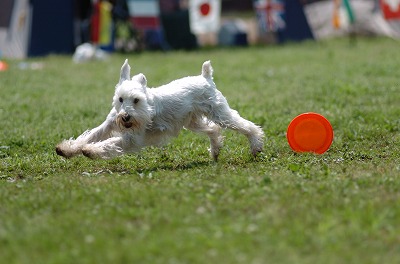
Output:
[[204, 16], [144, 13], [390, 9]]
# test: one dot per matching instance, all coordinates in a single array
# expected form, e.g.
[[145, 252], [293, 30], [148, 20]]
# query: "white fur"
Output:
[[142, 116]]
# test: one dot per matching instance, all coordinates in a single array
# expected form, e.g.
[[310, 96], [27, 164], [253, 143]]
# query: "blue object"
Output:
[[52, 27], [297, 28]]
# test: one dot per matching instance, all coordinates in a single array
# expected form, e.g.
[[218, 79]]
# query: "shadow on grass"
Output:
[[176, 167]]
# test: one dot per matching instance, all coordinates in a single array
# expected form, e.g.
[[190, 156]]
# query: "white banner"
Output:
[[204, 16]]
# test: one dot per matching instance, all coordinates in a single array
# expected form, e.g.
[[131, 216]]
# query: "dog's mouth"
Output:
[[127, 124]]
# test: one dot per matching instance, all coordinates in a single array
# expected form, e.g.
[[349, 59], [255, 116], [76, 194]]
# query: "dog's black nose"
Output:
[[126, 118]]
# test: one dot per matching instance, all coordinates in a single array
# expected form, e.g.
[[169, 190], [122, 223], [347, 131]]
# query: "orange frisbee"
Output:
[[310, 132], [3, 66]]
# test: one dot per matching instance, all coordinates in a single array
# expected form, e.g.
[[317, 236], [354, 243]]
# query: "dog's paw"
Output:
[[67, 150], [93, 152], [59, 151], [99, 151], [256, 151], [256, 145], [216, 145]]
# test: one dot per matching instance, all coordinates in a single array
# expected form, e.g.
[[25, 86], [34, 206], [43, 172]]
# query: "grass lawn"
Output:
[[174, 205]]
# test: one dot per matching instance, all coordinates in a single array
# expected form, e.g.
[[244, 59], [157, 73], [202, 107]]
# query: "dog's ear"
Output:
[[141, 79], [125, 72]]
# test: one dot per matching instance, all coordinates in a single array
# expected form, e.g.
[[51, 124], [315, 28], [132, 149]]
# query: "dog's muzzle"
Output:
[[126, 121], [127, 124], [126, 118]]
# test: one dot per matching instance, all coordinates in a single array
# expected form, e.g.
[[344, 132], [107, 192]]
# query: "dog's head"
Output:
[[131, 100]]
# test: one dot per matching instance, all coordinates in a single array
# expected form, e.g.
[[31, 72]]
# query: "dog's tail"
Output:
[[207, 70]]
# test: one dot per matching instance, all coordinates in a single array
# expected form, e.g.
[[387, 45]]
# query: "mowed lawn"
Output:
[[174, 204]]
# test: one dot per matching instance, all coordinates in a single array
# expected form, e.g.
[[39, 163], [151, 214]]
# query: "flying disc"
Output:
[[3, 66], [310, 132]]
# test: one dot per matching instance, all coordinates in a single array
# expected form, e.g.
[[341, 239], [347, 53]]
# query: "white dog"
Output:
[[142, 116]]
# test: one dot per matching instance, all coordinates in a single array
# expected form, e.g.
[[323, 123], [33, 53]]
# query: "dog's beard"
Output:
[[135, 123], [140, 120], [127, 124]]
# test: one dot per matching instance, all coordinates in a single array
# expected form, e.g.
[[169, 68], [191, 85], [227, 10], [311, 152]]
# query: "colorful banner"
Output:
[[343, 14], [270, 15], [105, 34], [144, 13], [101, 24]]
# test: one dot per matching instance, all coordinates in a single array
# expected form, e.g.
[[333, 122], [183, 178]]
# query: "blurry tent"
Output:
[[285, 18], [52, 27], [175, 21], [369, 19], [145, 17], [37, 27], [306, 19], [297, 27], [232, 33], [15, 16], [83, 10]]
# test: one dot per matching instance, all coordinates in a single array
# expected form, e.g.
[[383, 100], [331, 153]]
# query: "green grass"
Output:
[[174, 205]]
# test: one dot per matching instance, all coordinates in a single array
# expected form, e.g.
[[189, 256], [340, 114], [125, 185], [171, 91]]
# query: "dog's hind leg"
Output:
[[226, 117], [212, 130]]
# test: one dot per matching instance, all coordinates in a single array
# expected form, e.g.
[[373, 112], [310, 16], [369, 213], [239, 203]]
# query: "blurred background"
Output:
[[40, 27]]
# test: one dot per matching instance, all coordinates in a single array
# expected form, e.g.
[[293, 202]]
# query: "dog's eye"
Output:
[[121, 100], [136, 100]]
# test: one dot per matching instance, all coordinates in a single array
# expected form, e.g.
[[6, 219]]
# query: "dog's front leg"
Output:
[[111, 147], [72, 147]]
